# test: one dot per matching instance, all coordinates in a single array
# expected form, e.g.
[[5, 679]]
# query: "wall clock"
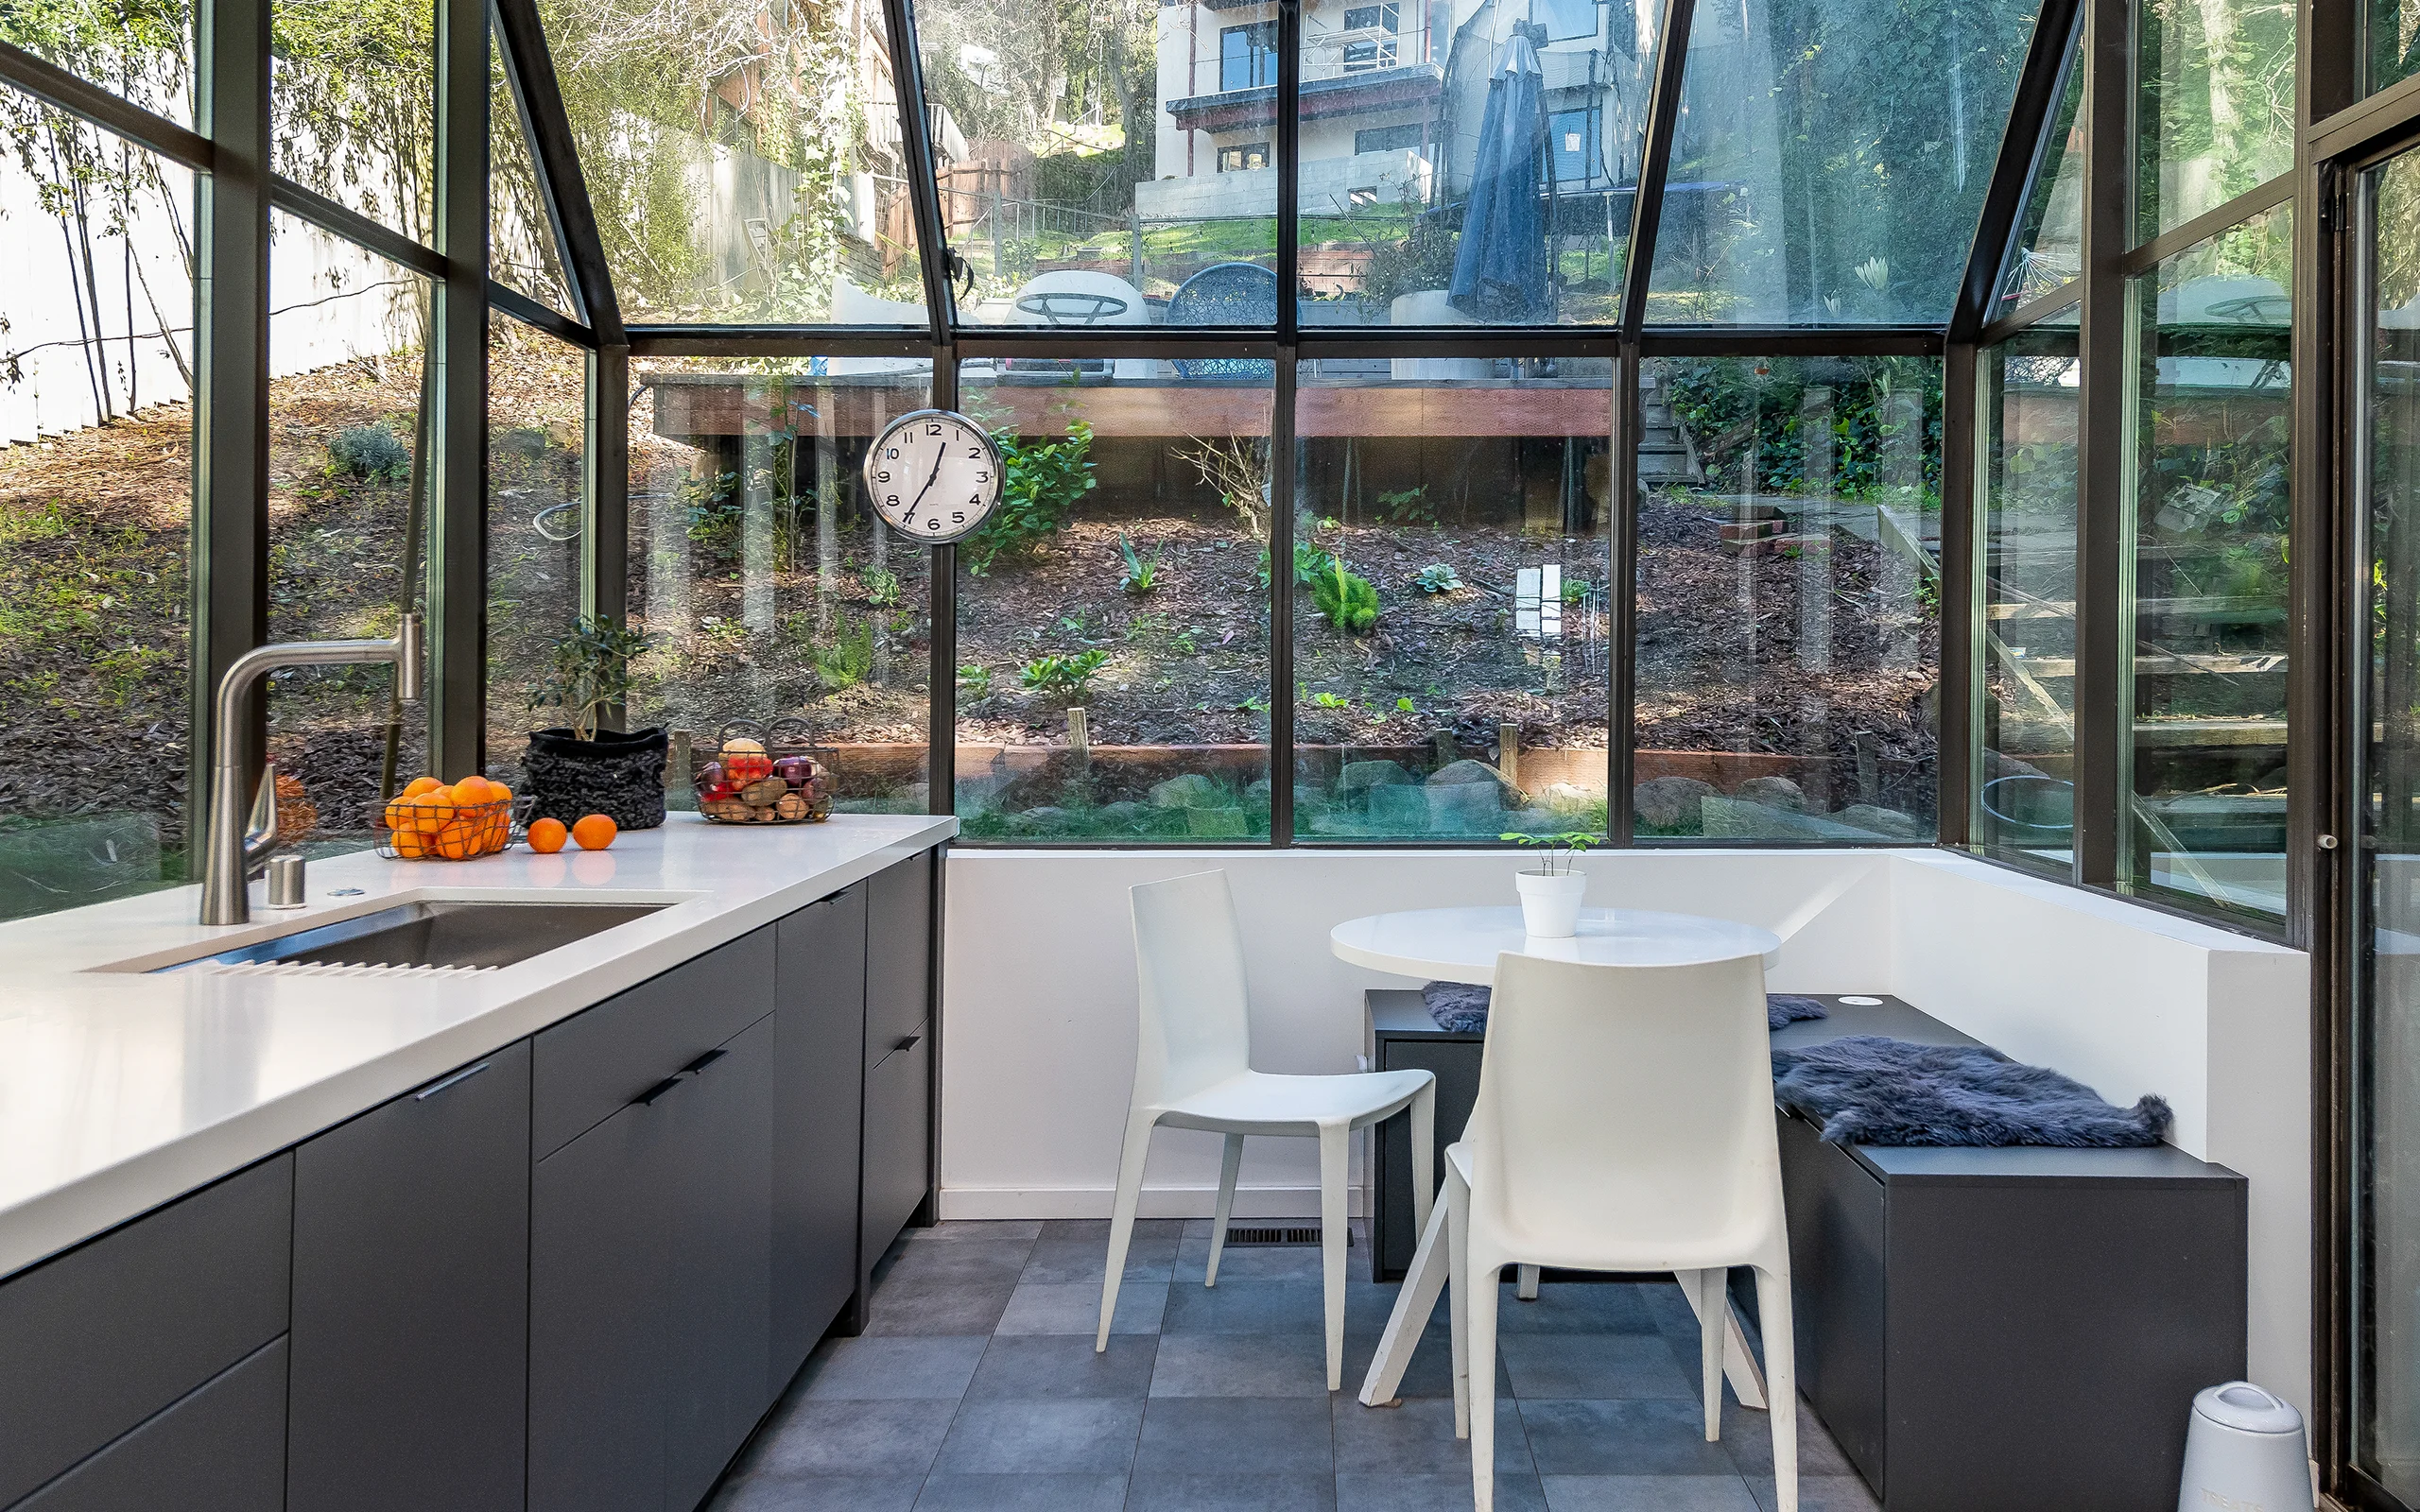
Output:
[[933, 475]]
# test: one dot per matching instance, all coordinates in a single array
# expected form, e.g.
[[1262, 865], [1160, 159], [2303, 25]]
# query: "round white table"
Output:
[[1462, 944]]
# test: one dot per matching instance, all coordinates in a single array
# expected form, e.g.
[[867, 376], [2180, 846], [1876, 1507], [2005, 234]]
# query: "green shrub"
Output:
[[1066, 675], [849, 659], [1437, 577], [370, 451], [1346, 598], [1044, 482]]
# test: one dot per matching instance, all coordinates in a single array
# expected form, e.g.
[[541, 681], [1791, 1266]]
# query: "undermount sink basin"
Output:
[[454, 933]]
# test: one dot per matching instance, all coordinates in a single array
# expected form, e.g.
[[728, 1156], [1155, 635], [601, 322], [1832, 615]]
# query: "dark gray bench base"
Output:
[[1981, 1330]]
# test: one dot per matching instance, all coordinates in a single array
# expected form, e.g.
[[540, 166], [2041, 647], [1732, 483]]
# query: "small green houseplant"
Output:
[[581, 767], [1552, 891]]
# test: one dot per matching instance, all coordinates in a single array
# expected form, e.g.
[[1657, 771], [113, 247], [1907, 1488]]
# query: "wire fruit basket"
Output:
[[764, 773], [434, 827]]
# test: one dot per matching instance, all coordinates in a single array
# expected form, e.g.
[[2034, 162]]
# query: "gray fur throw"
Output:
[[1460, 1007], [1869, 1090]]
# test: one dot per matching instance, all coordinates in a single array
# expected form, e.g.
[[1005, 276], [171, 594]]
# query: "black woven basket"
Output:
[[619, 774]]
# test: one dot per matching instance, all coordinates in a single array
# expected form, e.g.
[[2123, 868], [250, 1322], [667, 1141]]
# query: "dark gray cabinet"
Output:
[[819, 1086], [650, 1264], [900, 1087], [899, 964], [899, 1117], [98, 1340], [409, 1346], [219, 1448]]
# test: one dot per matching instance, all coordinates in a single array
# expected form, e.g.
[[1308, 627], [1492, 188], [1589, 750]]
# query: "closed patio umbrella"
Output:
[[1500, 267]]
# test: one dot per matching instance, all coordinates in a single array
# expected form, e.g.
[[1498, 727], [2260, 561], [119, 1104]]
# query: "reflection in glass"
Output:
[[2390, 36], [1112, 614], [2386, 1016], [522, 254], [765, 584], [744, 158], [2215, 115], [1469, 166], [2049, 241], [1451, 622], [1830, 162], [347, 530], [537, 443], [352, 87], [2206, 822], [1789, 598], [2024, 806], [140, 51], [96, 507], [1111, 164]]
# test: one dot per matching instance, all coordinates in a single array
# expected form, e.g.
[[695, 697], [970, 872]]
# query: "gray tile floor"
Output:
[[975, 1389]]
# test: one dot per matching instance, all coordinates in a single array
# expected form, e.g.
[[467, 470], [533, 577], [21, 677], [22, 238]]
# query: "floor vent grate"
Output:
[[1240, 1235]]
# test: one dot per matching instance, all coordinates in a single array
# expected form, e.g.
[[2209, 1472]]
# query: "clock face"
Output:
[[933, 475]]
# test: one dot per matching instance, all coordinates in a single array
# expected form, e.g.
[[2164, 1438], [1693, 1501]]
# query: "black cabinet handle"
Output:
[[909, 1043], [456, 1079], [648, 1098]]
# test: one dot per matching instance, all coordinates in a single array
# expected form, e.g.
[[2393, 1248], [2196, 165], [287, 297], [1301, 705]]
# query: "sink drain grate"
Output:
[[348, 969]]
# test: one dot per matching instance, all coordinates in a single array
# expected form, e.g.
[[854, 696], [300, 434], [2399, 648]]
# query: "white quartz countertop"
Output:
[[120, 1091]]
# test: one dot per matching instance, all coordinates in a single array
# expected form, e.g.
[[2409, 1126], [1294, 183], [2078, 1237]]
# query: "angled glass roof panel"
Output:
[[1830, 159], [523, 253], [743, 157], [353, 93], [141, 51], [2049, 249], [1425, 197], [1108, 164]]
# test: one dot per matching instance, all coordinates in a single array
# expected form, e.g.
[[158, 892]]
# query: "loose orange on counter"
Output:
[[547, 836], [594, 832]]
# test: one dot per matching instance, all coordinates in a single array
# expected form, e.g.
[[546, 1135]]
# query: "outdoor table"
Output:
[[1460, 945]]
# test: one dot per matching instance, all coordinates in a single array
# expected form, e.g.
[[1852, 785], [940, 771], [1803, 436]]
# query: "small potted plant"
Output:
[[580, 768], [1551, 891]]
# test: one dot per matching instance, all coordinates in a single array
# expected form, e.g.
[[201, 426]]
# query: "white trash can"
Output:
[[2244, 1452]]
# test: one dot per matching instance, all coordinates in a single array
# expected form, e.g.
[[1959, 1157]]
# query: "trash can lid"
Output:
[[2242, 1406]]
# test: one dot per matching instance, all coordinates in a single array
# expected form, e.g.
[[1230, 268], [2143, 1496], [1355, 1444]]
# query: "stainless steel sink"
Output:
[[449, 934]]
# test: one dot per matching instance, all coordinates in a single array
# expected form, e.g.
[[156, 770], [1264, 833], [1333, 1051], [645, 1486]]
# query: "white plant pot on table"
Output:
[[1550, 902]]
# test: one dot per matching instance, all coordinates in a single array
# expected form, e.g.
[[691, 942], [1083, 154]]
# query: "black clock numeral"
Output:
[[982, 477], [892, 453], [890, 501], [882, 475], [974, 499], [975, 453], [957, 517], [933, 523], [932, 430]]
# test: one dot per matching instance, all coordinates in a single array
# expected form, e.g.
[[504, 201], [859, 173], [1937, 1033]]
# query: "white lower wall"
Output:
[[1039, 1048]]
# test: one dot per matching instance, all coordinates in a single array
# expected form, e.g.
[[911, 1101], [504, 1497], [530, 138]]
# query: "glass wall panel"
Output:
[[1789, 598], [353, 91], [1462, 168], [744, 158], [2206, 821], [522, 251], [764, 582], [2025, 726], [1114, 165], [2385, 1071], [1113, 615], [1451, 622], [2215, 115], [2049, 237], [346, 333], [2390, 37], [537, 443], [96, 506], [1830, 162], [141, 52]]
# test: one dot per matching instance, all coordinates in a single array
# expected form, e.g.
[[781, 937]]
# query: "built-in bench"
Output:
[[1980, 1329]]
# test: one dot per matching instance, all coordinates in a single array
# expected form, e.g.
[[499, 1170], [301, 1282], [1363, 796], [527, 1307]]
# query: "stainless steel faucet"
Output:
[[237, 849]]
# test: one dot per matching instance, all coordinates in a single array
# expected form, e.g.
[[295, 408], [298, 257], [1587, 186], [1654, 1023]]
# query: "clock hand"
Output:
[[938, 454]]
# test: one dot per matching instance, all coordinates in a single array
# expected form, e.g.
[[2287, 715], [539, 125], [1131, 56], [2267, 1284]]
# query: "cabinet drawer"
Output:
[[220, 1450], [105, 1335], [589, 1067], [898, 1145], [899, 962]]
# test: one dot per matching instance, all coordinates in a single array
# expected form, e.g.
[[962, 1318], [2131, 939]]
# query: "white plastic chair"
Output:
[[1193, 1070], [1624, 1122]]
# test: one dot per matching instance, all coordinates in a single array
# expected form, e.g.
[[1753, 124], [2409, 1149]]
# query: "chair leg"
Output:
[[1121, 1215], [1525, 1283], [1781, 1383], [1712, 1315], [1424, 1154], [1335, 1145], [1484, 1286], [1458, 1304], [1230, 1163], [1414, 1305]]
